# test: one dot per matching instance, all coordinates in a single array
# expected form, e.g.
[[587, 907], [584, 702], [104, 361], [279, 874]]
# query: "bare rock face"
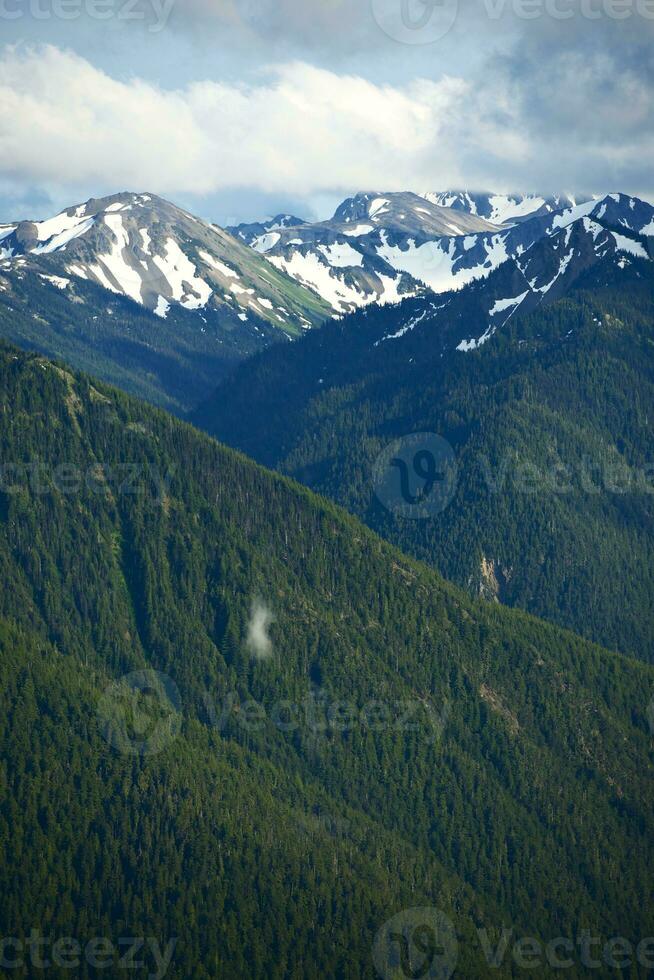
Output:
[[26, 236], [384, 247], [493, 580], [489, 586], [160, 256]]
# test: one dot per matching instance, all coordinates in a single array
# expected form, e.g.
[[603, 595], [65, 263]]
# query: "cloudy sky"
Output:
[[242, 108]]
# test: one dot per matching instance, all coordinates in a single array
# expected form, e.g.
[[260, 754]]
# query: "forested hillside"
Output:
[[549, 423], [169, 362], [343, 735]]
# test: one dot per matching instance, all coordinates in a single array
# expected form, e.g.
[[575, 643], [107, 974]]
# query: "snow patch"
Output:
[[145, 240], [408, 326], [264, 243], [378, 207], [570, 215], [507, 209], [356, 232], [341, 255], [59, 281], [391, 293], [56, 226], [186, 286], [629, 245], [310, 271], [224, 270], [114, 262], [77, 270], [434, 263], [59, 240], [505, 304], [162, 307]]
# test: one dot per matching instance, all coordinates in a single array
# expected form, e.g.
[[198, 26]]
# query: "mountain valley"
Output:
[[384, 742], [540, 379]]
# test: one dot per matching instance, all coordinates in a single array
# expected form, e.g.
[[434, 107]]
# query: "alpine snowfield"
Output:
[[381, 248], [142, 247]]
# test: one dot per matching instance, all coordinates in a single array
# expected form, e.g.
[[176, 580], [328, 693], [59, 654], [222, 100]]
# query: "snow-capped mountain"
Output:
[[160, 256], [349, 260], [250, 232], [142, 294], [387, 248], [576, 276], [402, 212], [138, 291], [503, 209], [614, 236], [445, 264]]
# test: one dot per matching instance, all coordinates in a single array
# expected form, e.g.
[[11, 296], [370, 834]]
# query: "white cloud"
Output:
[[257, 640], [302, 130]]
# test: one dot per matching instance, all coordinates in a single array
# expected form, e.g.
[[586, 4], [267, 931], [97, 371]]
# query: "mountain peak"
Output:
[[250, 232], [503, 209], [406, 211], [385, 247], [157, 254]]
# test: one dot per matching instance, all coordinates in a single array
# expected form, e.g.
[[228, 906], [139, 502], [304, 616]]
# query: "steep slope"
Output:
[[170, 362], [538, 275], [503, 209], [337, 734], [405, 247], [146, 296], [249, 232], [403, 212], [142, 247], [545, 368], [349, 259], [455, 263]]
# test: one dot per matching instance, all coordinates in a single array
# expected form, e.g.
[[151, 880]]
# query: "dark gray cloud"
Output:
[[585, 98], [22, 203]]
